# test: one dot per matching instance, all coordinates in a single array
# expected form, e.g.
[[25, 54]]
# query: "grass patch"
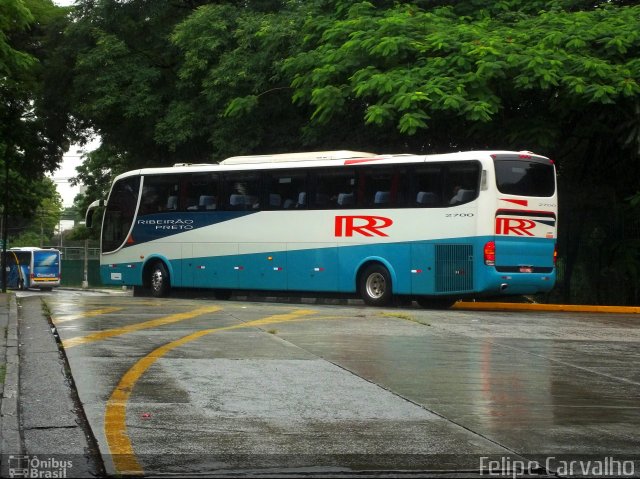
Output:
[[272, 331], [3, 372]]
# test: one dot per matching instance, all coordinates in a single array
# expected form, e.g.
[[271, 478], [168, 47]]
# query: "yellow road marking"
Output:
[[115, 416], [86, 314], [108, 333]]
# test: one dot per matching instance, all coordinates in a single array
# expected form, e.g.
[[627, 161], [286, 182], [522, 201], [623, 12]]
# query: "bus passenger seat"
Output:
[[238, 202], [381, 198], [427, 198], [172, 203], [288, 204], [345, 199], [207, 202]]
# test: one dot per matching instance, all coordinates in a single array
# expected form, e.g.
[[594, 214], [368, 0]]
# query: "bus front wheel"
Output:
[[159, 280], [375, 285]]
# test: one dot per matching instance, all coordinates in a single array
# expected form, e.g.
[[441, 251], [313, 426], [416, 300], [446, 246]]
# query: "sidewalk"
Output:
[[41, 423], [9, 426]]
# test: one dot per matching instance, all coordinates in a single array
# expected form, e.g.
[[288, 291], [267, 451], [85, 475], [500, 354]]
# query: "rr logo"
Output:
[[517, 226], [363, 225]]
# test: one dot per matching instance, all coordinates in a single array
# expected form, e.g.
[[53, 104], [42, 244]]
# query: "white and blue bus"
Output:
[[434, 228], [32, 267]]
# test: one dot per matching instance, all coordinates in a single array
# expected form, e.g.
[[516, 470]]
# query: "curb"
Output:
[[570, 308], [11, 443]]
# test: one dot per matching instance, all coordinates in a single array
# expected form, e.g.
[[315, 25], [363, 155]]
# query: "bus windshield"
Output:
[[119, 214], [524, 177]]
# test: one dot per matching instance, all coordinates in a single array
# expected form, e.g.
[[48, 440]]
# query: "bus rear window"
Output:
[[524, 177]]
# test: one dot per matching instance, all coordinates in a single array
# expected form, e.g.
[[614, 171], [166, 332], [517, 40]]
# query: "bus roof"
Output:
[[317, 159], [304, 156], [31, 248]]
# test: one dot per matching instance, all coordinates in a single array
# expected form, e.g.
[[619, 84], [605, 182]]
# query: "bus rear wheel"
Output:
[[159, 280], [375, 285]]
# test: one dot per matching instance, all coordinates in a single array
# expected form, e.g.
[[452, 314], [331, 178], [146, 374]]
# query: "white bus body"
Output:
[[432, 227]]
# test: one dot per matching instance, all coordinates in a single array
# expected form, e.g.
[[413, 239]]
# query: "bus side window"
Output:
[[160, 193], [282, 188], [427, 186], [200, 191], [380, 186], [242, 191], [462, 183], [335, 188]]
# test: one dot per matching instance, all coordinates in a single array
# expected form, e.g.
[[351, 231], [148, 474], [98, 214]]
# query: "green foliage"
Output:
[[34, 121], [97, 172], [34, 224], [412, 66]]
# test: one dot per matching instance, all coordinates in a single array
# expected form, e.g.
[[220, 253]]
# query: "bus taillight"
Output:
[[490, 253], [555, 254]]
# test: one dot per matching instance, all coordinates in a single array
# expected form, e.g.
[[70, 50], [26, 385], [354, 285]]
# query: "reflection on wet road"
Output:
[[296, 386]]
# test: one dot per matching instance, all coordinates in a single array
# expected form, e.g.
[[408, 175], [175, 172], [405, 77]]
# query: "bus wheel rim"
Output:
[[157, 280], [376, 285]]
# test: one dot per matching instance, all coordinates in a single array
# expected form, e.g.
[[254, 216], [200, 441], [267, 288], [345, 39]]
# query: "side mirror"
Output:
[[88, 218]]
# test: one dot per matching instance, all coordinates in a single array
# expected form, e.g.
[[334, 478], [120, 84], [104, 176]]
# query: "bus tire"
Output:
[[430, 302], [159, 280], [375, 285]]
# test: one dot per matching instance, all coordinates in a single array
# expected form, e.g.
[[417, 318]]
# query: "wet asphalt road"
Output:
[[198, 385]]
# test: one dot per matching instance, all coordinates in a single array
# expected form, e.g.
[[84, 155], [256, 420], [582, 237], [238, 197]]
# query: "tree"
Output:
[[125, 75], [167, 82], [39, 228], [32, 135]]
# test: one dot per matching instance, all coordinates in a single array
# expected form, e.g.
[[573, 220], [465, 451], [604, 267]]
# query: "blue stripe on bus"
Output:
[[424, 267], [161, 225]]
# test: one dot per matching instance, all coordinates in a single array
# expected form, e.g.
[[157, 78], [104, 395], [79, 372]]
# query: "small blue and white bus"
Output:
[[32, 267], [431, 227]]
